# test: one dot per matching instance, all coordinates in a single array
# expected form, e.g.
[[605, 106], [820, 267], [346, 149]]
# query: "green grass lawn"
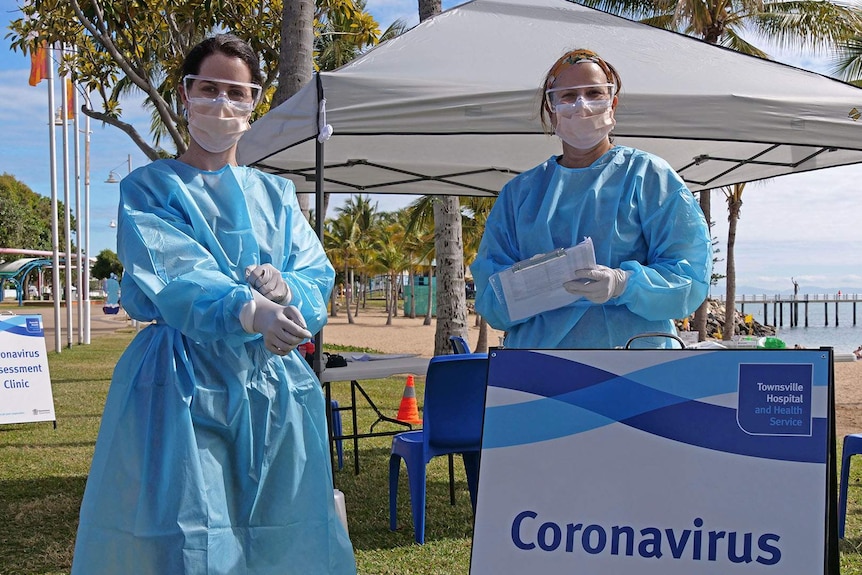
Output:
[[43, 471]]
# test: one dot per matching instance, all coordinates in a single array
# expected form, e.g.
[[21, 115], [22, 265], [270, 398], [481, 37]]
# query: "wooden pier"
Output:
[[796, 303]]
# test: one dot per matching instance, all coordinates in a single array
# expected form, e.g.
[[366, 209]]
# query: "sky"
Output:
[[804, 226]]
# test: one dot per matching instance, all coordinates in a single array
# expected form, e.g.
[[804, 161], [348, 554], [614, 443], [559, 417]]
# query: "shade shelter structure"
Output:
[[451, 106]]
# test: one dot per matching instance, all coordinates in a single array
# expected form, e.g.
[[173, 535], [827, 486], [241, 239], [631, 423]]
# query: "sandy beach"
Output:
[[408, 335], [405, 335]]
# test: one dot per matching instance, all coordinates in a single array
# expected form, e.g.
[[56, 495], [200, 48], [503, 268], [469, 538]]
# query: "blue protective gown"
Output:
[[212, 456], [641, 218]]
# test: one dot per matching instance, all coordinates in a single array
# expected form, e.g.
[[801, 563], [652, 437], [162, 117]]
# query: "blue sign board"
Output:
[[657, 462]]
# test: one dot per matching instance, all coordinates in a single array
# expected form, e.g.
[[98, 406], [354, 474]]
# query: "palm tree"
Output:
[[421, 221], [474, 226], [391, 256], [733, 194], [365, 219], [795, 24], [451, 292], [340, 237], [418, 243], [301, 20], [343, 36], [848, 62], [366, 266]]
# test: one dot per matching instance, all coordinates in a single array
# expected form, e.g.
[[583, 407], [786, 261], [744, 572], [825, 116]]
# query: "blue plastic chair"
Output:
[[459, 344], [852, 446], [453, 408], [336, 431]]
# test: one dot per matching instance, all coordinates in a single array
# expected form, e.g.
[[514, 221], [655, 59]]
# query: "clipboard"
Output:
[[535, 285], [538, 260]]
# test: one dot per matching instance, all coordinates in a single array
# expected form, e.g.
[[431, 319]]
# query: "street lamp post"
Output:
[[113, 178]]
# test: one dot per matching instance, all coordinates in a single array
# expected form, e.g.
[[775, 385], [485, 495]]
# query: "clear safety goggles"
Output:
[[582, 107], [588, 93], [242, 95]]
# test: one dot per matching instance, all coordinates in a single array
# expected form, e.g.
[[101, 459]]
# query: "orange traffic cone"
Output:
[[408, 412]]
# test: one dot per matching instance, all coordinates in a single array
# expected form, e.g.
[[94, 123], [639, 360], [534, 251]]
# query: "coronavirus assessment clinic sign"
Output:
[[657, 462], [25, 385]]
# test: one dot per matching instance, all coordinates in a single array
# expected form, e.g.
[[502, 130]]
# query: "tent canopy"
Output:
[[451, 106]]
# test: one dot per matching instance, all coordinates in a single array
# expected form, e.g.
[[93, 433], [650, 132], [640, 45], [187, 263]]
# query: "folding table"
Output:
[[364, 367]]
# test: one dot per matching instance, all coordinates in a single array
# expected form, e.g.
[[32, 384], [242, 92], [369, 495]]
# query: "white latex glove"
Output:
[[266, 279], [597, 284], [283, 328]]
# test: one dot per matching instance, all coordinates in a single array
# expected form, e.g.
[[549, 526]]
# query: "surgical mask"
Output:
[[217, 124], [583, 124]]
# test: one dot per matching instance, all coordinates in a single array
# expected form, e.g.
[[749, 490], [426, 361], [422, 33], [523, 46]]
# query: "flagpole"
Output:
[[85, 258], [78, 254], [55, 236], [67, 212]]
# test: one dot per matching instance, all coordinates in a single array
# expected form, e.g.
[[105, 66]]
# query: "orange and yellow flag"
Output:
[[70, 99], [38, 65]]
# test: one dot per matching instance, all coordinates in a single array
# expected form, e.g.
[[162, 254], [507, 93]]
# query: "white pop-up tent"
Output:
[[451, 106]]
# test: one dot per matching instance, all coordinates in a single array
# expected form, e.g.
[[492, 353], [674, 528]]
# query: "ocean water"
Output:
[[843, 338]]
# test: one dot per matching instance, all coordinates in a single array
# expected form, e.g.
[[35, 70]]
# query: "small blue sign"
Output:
[[34, 325], [775, 399]]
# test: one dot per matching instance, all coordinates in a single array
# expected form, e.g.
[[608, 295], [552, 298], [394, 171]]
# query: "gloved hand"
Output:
[[597, 284], [267, 280], [283, 328]]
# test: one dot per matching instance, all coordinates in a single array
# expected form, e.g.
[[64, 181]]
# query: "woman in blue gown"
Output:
[[650, 238], [212, 456]]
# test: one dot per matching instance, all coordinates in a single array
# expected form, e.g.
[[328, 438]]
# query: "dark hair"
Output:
[[226, 44]]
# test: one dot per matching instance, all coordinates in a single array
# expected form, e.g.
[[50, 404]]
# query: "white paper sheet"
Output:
[[535, 285]]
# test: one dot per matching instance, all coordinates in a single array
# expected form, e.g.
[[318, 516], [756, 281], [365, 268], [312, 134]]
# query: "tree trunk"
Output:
[[333, 303], [482, 342], [451, 289], [429, 8], [295, 62], [449, 246], [390, 299], [412, 294], [348, 292], [396, 283], [325, 205], [701, 313], [430, 300], [734, 203], [359, 295]]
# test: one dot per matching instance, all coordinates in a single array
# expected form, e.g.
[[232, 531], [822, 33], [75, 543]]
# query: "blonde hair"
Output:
[[571, 58]]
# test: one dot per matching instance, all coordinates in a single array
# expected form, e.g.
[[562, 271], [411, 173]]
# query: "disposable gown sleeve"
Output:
[[307, 271], [497, 251], [674, 281], [169, 275]]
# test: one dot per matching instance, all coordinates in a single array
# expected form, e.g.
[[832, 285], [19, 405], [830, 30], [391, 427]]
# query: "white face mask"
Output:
[[583, 125], [216, 125]]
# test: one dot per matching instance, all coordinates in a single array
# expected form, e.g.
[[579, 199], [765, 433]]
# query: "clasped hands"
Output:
[[598, 284], [281, 324]]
